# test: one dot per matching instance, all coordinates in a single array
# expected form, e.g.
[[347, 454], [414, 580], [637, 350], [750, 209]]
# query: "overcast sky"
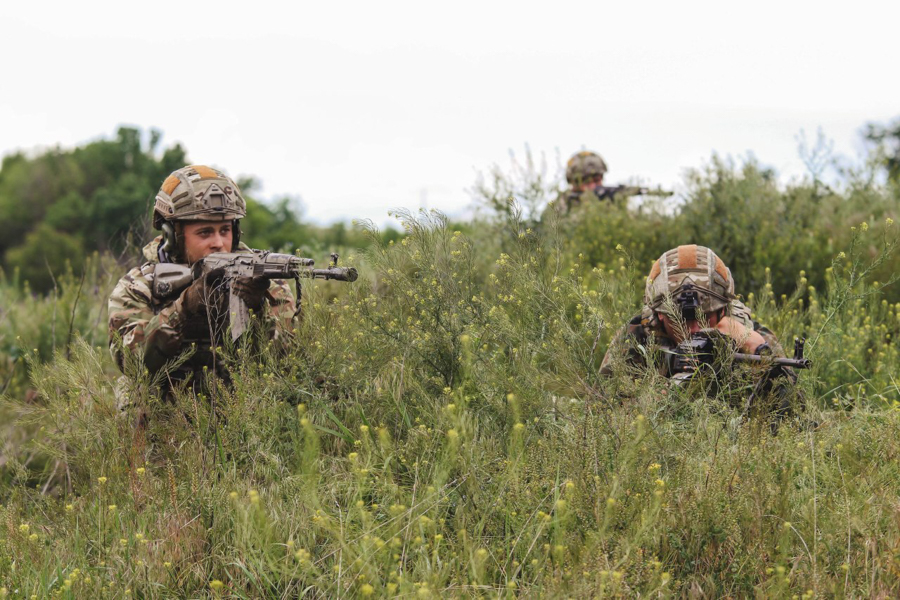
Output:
[[359, 107]]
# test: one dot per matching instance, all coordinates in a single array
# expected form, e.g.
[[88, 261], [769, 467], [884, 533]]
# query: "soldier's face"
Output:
[[595, 183], [202, 238], [678, 333]]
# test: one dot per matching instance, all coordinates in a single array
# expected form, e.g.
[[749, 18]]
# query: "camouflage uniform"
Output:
[[157, 329], [682, 268]]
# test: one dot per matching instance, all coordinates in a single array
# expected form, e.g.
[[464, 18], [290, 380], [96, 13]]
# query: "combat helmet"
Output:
[[584, 167], [196, 193], [691, 277]]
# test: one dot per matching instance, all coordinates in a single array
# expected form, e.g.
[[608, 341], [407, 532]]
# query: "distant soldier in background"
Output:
[[689, 297], [198, 210], [584, 174]]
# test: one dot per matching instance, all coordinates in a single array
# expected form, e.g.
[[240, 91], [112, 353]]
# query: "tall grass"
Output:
[[440, 429]]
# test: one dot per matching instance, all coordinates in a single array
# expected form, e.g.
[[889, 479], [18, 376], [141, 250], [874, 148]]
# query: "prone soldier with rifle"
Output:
[[692, 315], [200, 282]]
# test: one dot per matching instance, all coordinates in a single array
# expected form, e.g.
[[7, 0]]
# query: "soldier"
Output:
[[198, 209], [584, 174], [690, 289]]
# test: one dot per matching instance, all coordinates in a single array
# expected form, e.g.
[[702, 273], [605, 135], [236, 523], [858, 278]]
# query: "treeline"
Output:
[[58, 207]]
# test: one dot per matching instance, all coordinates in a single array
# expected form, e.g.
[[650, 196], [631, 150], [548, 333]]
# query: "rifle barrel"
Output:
[[799, 363], [338, 273]]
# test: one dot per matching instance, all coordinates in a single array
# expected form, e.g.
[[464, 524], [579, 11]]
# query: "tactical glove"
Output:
[[204, 293], [252, 290]]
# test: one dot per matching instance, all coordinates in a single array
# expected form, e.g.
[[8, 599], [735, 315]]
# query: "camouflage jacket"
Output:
[[639, 333], [138, 322], [569, 199]]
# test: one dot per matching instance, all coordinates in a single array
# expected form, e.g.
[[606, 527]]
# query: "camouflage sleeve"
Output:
[[133, 324], [281, 314], [770, 338], [741, 313], [623, 345]]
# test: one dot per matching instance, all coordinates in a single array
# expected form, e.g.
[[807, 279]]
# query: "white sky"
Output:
[[359, 107]]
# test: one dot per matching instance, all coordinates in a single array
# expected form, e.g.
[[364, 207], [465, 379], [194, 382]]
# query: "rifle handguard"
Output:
[[797, 363], [348, 274]]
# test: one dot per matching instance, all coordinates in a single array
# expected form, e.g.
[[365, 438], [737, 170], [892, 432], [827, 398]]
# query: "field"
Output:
[[440, 429]]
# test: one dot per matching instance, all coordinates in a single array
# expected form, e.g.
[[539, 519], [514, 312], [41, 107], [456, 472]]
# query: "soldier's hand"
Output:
[[252, 290], [205, 292]]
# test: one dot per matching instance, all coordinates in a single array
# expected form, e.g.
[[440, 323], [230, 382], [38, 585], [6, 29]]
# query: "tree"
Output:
[[887, 137]]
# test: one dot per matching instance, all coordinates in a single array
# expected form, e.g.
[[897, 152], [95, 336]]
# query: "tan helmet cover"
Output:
[[689, 265], [584, 167], [198, 193]]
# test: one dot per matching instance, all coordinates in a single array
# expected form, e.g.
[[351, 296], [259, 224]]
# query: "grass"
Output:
[[440, 430]]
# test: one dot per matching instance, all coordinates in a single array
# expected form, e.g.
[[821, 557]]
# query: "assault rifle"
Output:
[[705, 346], [171, 279], [609, 192]]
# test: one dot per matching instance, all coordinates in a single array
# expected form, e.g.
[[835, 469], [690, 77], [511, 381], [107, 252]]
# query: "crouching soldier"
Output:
[[198, 210]]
